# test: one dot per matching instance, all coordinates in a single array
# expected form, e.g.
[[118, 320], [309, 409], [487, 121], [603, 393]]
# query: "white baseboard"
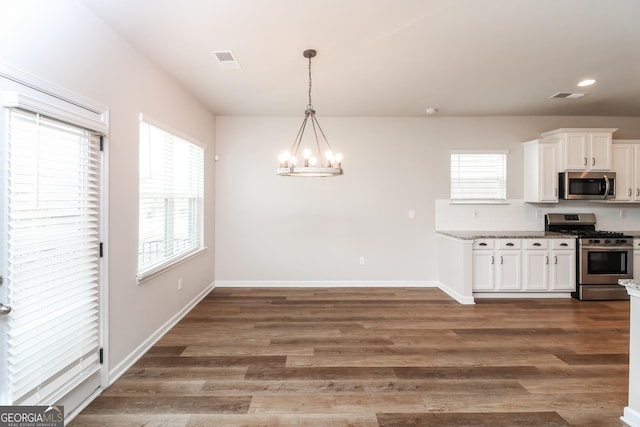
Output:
[[631, 417], [324, 284], [481, 295], [136, 354], [456, 295]]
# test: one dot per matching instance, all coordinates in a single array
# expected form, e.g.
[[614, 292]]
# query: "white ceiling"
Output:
[[393, 57]]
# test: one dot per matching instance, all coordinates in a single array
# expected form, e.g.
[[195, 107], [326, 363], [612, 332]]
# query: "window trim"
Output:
[[153, 272], [180, 258], [476, 201]]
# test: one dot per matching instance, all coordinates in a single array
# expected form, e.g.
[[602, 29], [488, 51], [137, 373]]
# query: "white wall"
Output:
[[64, 43], [280, 230]]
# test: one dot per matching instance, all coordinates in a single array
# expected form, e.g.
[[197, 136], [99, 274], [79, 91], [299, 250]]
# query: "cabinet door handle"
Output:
[[537, 244], [501, 260], [546, 259], [585, 161], [555, 192], [509, 244], [629, 192], [492, 260], [593, 161], [482, 244], [555, 259], [638, 192], [564, 244]]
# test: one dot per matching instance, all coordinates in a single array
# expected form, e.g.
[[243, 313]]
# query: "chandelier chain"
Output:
[[310, 105]]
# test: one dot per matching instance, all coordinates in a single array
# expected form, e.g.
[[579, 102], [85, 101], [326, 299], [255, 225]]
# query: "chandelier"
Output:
[[314, 162]]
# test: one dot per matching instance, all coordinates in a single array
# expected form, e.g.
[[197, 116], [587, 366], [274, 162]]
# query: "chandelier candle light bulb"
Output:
[[310, 165]]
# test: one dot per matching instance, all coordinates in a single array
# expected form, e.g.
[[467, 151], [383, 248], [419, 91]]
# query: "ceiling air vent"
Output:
[[568, 95], [226, 59]]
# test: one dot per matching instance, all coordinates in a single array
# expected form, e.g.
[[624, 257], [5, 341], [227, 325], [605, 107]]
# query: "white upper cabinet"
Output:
[[626, 164], [540, 171], [583, 149]]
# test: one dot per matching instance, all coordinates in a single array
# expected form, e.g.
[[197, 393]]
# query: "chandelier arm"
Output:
[[314, 122], [322, 133], [296, 142]]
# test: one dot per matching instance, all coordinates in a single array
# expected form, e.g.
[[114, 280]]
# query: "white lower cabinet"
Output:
[[524, 265], [509, 263], [563, 265], [536, 265], [497, 265]]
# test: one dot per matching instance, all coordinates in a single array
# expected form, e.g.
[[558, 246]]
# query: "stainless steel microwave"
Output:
[[587, 185]]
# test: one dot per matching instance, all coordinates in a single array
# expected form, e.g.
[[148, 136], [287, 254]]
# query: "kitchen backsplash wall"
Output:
[[518, 215]]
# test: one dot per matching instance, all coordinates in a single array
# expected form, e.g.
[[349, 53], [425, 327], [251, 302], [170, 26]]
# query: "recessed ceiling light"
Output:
[[586, 82]]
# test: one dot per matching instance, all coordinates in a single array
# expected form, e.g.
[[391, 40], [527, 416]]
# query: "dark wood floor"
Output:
[[377, 357]]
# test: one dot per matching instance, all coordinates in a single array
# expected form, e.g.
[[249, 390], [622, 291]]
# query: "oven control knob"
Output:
[[607, 241]]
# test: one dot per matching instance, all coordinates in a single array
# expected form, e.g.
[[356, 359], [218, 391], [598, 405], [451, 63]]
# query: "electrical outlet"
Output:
[[476, 214], [361, 260], [180, 284], [622, 213], [412, 214]]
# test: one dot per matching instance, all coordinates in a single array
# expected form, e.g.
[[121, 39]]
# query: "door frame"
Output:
[[39, 92]]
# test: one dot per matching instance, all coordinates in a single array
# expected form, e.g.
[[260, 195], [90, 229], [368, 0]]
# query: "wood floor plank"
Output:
[[131, 420], [510, 419], [377, 357], [595, 359], [366, 386], [153, 387], [209, 361], [283, 420], [168, 405], [359, 360], [320, 373], [336, 404], [247, 350], [182, 373]]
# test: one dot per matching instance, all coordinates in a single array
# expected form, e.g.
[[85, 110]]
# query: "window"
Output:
[[479, 176], [171, 199]]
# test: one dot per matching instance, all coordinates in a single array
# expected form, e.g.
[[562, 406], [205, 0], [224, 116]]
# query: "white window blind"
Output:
[[171, 199], [478, 177], [53, 207]]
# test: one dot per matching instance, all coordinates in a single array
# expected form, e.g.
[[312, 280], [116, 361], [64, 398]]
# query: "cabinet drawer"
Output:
[[563, 243], [483, 244], [636, 244], [506, 244], [536, 243]]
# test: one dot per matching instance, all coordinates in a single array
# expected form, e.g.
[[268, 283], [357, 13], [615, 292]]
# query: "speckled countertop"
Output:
[[473, 235], [632, 285]]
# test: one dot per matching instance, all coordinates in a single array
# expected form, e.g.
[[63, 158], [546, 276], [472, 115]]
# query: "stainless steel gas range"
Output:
[[602, 257]]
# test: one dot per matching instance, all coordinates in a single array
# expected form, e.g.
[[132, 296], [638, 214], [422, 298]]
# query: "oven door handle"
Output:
[[608, 248], [607, 186]]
